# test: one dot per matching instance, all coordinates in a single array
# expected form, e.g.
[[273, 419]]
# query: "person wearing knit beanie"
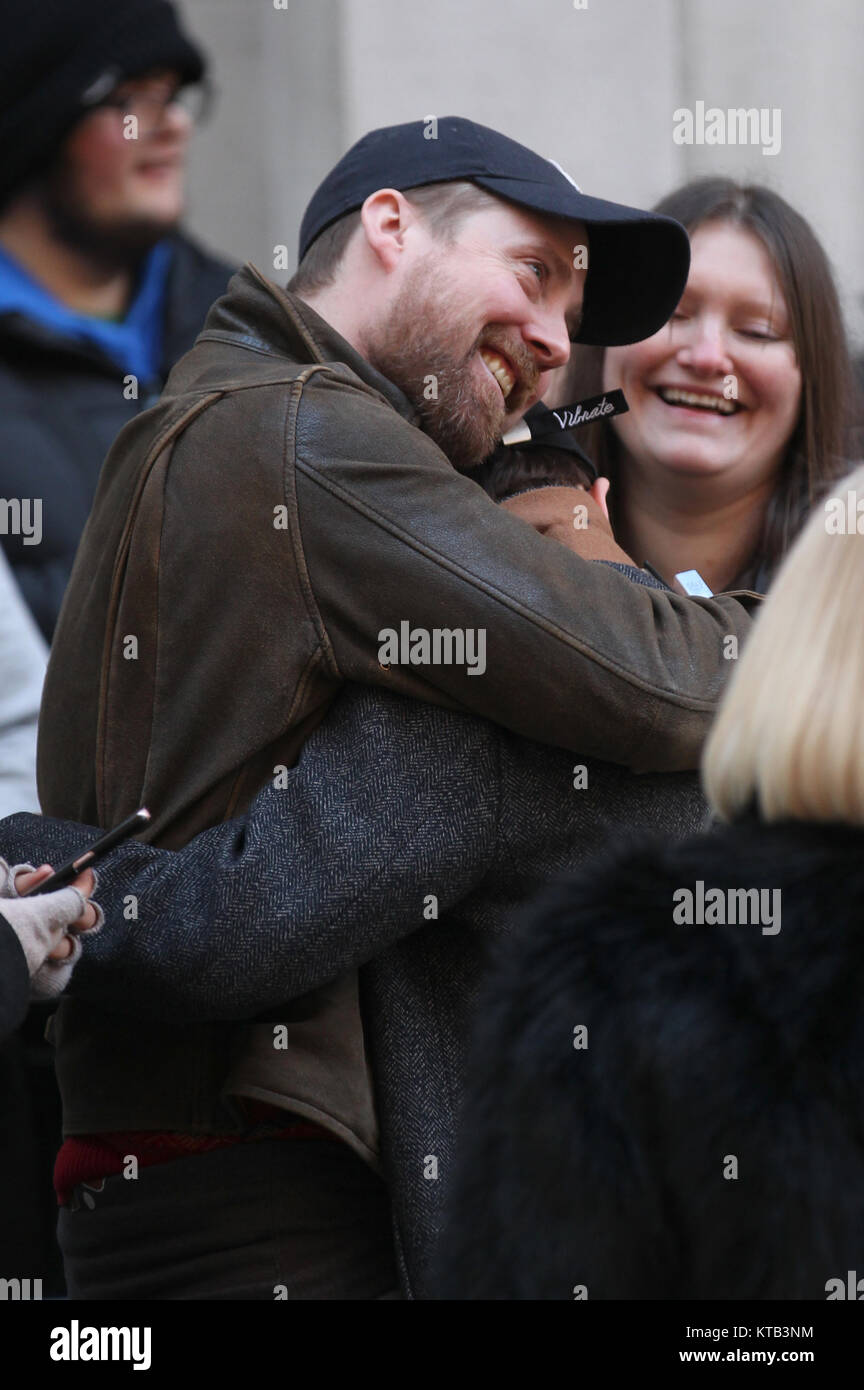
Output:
[[58, 59], [101, 289], [93, 141]]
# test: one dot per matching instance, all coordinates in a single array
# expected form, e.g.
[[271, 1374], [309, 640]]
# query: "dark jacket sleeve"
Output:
[[14, 978], [43, 585], [576, 654], [388, 809]]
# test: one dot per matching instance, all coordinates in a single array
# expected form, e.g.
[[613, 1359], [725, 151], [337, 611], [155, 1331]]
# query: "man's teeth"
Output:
[[499, 370], [672, 396]]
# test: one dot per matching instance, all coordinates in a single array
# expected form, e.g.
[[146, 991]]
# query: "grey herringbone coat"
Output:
[[396, 811]]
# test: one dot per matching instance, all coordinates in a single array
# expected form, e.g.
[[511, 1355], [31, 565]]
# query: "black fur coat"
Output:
[[705, 1137]]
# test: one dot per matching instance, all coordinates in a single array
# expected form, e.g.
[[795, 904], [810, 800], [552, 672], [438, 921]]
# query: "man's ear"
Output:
[[385, 217]]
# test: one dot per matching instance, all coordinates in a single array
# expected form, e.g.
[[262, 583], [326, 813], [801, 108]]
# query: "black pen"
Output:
[[568, 417]]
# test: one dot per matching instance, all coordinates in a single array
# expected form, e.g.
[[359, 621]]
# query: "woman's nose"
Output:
[[705, 347]]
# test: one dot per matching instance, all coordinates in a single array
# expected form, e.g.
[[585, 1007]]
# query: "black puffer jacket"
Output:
[[61, 405], [705, 1139]]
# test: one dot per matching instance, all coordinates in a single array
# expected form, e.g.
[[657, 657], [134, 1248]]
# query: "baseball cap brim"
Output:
[[638, 261]]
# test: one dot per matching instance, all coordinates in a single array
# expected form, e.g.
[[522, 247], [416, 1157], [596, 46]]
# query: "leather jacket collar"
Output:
[[286, 326]]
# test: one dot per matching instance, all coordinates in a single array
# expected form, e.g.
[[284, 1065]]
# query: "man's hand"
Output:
[[85, 883], [574, 516]]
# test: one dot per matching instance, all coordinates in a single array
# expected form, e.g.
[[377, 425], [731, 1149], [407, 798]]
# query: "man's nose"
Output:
[[705, 347], [548, 339]]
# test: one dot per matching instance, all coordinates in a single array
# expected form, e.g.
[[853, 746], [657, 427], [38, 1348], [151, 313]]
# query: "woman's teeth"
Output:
[[673, 396], [500, 371]]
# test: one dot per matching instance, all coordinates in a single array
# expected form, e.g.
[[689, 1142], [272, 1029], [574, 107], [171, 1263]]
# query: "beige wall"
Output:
[[592, 88]]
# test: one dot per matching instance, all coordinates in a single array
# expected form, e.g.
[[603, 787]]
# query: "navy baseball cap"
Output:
[[637, 261]]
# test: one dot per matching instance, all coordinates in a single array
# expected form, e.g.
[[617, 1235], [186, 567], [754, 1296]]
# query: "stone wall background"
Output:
[[593, 88]]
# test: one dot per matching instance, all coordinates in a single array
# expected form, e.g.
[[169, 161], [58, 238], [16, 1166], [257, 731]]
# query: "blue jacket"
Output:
[[62, 399]]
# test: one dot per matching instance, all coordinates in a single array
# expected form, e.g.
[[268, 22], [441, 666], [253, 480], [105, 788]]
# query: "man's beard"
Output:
[[116, 245], [414, 348]]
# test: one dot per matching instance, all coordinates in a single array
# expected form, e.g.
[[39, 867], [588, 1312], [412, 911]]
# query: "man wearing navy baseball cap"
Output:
[[639, 260], [296, 513], [485, 205]]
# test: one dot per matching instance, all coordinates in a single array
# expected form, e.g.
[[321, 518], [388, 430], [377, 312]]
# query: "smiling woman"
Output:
[[739, 406]]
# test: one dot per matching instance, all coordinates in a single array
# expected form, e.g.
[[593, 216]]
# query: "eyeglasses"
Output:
[[149, 102]]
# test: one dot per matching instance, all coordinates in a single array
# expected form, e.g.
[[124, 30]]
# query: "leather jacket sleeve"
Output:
[[575, 653]]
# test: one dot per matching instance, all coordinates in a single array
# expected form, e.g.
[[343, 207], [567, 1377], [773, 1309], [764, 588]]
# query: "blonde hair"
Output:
[[789, 737]]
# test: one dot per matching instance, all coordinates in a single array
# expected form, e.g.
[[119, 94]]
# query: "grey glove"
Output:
[[40, 923]]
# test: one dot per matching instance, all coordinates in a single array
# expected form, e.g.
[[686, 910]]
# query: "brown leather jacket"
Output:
[[251, 536]]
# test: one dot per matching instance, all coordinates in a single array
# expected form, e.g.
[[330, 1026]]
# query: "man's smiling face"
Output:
[[478, 322]]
